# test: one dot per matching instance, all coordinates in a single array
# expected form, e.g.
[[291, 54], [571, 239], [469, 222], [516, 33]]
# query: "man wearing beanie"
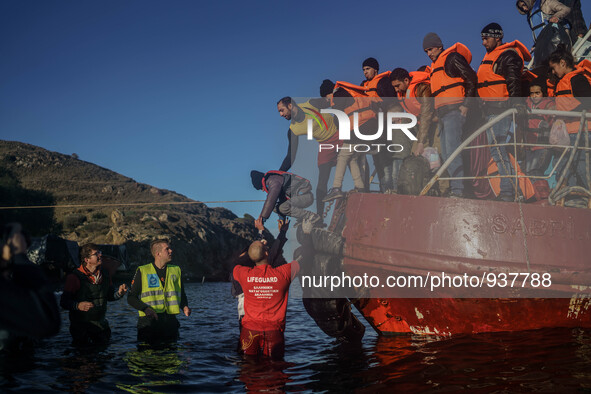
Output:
[[287, 195], [453, 81], [375, 82], [499, 78], [378, 85]]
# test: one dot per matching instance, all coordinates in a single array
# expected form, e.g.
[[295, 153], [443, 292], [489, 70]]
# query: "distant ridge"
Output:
[[205, 240]]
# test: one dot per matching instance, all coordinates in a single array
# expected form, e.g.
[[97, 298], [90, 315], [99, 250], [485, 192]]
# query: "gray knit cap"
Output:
[[432, 40]]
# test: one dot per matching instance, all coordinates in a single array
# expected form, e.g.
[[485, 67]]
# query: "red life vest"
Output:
[[525, 184], [565, 100], [372, 86], [361, 104], [445, 89], [492, 86], [409, 100]]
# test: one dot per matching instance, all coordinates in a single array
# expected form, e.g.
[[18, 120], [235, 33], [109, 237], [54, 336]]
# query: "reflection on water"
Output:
[[205, 359], [155, 366], [269, 376]]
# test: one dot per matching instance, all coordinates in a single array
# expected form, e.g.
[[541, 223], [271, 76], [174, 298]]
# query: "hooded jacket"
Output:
[[549, 7]]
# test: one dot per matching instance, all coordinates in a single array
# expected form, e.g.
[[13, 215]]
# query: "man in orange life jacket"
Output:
[[287, 195], [499, 81], [452, 81], [376, 82], [378, 85], [347, 98], [414, 92]]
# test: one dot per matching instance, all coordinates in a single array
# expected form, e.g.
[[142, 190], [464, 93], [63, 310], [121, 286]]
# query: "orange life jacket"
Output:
[[445, 89], [372, 86], [551, 88], [525, 184], [565, 100], [409, 100], [361, 104], [492, 86]]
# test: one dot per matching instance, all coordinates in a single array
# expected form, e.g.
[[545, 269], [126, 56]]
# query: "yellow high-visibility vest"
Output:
[[162, 299]]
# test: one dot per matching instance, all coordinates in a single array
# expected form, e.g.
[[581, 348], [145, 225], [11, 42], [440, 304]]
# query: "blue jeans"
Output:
[[577, 174], [391, 174], [450, 126], [500, 131]]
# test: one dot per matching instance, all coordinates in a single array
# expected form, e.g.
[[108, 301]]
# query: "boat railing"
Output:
[[568, 154]]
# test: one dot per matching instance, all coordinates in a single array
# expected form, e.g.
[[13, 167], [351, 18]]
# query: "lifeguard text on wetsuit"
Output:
[[430, 281]]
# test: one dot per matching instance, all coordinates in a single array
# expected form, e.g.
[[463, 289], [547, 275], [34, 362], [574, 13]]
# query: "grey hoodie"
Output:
[[549, 7]]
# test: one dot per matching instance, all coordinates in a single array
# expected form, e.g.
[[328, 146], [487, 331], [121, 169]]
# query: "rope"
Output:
[[127, 204]]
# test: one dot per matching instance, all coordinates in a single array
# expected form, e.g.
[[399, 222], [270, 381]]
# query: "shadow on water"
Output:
[[205, 358]]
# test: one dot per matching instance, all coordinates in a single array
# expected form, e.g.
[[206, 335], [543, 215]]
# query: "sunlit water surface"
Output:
[[205, 358]]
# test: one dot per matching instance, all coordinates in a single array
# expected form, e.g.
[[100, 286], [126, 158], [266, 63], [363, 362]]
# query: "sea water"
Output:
[[205, 358]]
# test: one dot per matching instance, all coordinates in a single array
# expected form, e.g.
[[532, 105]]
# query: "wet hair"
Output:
[[562, 53], [285, 101], [542, 84], [85, 252], [154, 245], [399, 74]]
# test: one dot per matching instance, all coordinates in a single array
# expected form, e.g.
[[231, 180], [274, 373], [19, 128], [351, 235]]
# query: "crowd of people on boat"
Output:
[[450, 100]]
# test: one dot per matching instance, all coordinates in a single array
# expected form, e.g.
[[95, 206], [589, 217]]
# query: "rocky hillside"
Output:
[[204, 240]]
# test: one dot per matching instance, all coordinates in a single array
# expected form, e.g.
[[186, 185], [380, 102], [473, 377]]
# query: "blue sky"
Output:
[[181, 94]]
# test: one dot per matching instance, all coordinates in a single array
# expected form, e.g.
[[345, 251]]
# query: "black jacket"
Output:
[[509, 65], [456, 66]]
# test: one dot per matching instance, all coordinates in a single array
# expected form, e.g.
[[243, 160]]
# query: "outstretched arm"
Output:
[[277, 247], [292, 149]]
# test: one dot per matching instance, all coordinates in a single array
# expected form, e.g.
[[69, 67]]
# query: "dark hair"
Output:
[[562, 53], [157, 242], [86, 251], [542, 84], [422, 68], [399, 74], [285, 101]]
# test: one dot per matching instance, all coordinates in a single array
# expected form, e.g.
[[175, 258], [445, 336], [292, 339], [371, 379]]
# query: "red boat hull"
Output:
[[415, 235]]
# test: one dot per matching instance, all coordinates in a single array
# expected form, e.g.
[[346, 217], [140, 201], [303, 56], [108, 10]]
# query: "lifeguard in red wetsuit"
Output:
[[265, 303]]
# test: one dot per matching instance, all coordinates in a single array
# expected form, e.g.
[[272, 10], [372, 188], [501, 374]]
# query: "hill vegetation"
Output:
[[97, 205]]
